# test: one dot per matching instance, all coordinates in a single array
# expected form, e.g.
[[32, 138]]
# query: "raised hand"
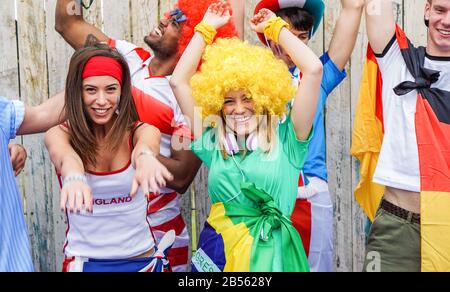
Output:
[[218, 14], [258, 22]]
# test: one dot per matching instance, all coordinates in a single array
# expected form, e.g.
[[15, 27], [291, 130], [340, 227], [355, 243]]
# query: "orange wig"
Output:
[[194, 11]]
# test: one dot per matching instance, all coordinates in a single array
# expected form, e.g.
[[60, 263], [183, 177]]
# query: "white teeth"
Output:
[[242, 119], [444, 32], [100, 111], [158, 32]]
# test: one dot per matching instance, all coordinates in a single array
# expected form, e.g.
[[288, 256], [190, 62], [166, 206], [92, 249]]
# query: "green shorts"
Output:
[[393, 245]]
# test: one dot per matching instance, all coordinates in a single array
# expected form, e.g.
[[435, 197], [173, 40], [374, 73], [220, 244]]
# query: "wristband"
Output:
[[74, 177], [273, 28], [208, 31]]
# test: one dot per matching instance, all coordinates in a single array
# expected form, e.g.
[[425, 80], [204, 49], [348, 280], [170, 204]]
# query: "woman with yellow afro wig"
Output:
[[231, 64], [253, 147]]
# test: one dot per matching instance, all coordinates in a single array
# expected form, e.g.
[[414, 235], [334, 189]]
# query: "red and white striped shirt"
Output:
[[157, 106]]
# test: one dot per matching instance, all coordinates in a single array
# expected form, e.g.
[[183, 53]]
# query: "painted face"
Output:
[[281, 54], [239, 112], [438, 14], [100, 98], [164, 38]]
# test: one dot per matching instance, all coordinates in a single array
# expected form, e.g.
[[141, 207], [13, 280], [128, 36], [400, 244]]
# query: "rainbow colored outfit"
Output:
[[248, 228]]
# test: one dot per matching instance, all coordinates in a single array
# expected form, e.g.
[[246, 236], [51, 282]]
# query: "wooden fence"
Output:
[[34, 65]]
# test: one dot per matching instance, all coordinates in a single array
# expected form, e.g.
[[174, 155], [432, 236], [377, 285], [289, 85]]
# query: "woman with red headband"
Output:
[[107, 162]]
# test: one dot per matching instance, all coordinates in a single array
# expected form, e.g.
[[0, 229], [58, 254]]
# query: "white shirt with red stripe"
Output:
[[157, 106], [118, 227]]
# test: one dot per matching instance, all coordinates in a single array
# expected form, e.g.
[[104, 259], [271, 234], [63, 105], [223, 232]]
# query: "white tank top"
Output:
[[118, 227]]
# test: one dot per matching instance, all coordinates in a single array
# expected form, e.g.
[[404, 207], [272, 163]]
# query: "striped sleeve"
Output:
[[12, 113], [181, 127], [134, 55]]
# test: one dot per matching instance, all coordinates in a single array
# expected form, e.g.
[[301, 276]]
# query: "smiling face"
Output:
[[438, 14], [164, 38], [100, 98], [239, 112]]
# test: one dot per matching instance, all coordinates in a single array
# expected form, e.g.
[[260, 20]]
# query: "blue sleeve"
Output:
[[332, 76], [12, 113]]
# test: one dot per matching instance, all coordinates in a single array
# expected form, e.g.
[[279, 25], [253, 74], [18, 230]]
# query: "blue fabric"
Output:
[[150, 264], [212, 244], [15, 255], [316, 164]]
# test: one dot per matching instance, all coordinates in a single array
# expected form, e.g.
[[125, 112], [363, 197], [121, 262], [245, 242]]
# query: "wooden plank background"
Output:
[[34, 65]]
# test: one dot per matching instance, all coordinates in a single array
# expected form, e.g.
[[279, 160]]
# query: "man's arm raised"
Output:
[[380, 23], [70, 24]]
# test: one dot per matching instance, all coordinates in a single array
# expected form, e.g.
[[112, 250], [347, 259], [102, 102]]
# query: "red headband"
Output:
[[103, 66]]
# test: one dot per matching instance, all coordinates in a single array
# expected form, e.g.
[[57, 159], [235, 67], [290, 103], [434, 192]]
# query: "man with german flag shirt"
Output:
[[402, 139]]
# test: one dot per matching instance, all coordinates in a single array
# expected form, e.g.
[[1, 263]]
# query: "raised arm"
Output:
[[42, 117], [305, 102], [69, 165], [239, 16], [380, 23], [70, 24], [346, 32], [217, 16]]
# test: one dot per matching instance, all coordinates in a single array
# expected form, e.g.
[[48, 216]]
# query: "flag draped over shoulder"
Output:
[[432, 125], [368, 135]]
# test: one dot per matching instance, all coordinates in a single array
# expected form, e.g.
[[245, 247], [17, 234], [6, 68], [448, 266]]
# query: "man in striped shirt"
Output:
[[16, 118]]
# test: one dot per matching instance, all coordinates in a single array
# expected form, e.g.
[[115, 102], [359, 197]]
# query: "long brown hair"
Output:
[[82, 137]]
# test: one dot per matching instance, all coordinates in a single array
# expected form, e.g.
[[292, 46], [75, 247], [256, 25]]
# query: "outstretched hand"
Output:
[[151, 175], [76, 197], [258, 21], [218, 14]]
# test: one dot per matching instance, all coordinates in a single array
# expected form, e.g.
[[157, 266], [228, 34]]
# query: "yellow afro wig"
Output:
[[229, 65]]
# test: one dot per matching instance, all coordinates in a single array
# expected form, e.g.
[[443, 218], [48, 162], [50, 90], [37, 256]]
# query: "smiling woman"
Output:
[[103, 138], [252, 187], [99, 93]]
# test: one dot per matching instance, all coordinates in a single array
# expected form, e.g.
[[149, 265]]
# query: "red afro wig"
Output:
[[194, 11]]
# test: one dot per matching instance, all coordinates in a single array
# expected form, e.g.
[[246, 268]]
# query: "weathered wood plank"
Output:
[[94, 15], [202, 203], [34, 89], [166, 6], [317, 43], [338, 158], [117, 19], [414, 26], [144, 18], [249, 34], [58, 58], [9, 68]]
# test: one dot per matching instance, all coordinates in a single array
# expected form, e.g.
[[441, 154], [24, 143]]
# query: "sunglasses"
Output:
[[177, 17]]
